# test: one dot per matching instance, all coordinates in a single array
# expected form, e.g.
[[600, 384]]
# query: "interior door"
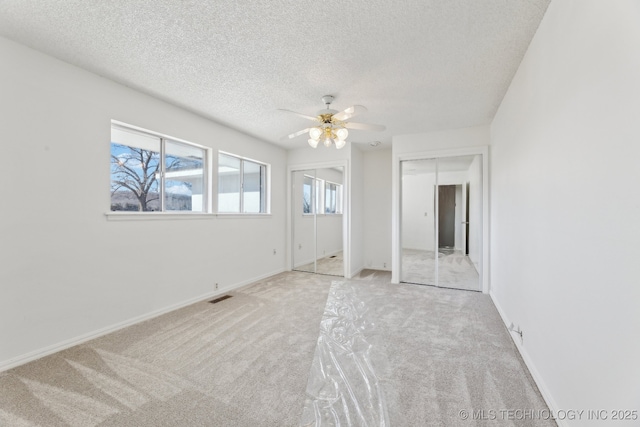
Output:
[[465, 222], [446, 216]]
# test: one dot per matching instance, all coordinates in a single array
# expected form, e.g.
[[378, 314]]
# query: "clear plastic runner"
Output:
[[346, 383]]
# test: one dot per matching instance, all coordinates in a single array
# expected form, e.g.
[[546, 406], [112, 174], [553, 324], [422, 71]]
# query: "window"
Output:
[[312, 189], [153, 173], [241, 185], [327, 196], [307, 194], [333, 198]]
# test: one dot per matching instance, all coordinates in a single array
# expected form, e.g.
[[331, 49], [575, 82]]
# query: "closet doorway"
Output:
[[441, 222], [317, 207]]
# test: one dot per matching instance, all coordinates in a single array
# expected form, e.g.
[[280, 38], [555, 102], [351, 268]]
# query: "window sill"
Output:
[[145, 216], [242, 215], [163, 216]]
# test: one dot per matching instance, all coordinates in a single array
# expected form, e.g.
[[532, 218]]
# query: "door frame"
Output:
[[346, 210], [396, 214]]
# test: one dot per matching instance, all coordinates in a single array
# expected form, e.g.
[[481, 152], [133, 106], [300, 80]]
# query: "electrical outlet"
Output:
[[274, 251], [384, 265], [216, 286], [517, 331]]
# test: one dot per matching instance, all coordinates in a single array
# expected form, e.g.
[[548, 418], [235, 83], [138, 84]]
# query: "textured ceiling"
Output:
[[417, 65]]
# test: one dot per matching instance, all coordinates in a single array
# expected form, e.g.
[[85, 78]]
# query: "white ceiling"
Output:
[[417, 65]]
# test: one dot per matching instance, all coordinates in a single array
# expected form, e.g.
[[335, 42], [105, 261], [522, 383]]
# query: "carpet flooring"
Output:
[[332, 265], [455, 270], [248, 360]]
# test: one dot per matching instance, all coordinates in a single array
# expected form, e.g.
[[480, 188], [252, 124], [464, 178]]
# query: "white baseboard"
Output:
[[377, 267], [537, 378], [54, 348], [356, 272]]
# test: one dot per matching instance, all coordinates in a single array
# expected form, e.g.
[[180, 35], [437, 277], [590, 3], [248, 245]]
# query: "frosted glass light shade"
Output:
[[315, 133], [342, 133], [327, 142], [313, 143], [340, 143]]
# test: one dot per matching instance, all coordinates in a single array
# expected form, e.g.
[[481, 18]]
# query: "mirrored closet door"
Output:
[[441, 222], [317, 207]]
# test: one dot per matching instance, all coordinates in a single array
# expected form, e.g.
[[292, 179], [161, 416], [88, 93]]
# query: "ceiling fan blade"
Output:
[[300, 114], [293, 135], [354, 110], [364, 126]]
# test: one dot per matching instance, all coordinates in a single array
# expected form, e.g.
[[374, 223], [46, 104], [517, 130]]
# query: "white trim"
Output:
[[267, 187], [54, 348], [138, 216], [355, 273], [158, 134], [396, 194], [145, 216], [242, 215], [537, 378], [346, 213]]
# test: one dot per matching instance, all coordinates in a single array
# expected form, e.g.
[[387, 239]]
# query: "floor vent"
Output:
[[332, 256], [222, 298]]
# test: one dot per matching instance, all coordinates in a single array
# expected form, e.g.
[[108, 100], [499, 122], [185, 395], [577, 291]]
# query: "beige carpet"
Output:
[[455, 270], [332, 265], [246, 362]]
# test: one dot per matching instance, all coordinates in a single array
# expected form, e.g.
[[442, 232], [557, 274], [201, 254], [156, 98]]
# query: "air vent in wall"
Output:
[[222, 298]]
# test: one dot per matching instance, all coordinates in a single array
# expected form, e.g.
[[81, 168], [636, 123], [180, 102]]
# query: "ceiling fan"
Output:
[[332, 125]]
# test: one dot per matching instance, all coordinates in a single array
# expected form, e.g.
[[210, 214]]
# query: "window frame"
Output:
[[337, 195], [319, 188], [265, 208], [163, 139]]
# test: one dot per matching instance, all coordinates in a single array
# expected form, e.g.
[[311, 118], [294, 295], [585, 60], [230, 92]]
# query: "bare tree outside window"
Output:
[[134, 176]]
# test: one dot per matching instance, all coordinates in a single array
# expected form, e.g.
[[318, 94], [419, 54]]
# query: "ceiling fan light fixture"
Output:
[[315, 133], [331, 125]]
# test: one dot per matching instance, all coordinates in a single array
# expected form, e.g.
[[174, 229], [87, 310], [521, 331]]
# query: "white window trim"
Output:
[[267, 188], [323, 197], [206, 192]]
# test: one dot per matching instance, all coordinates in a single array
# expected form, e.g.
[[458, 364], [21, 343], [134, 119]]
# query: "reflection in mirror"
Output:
[[442, 208], [317, 221], [418, 222], [459, 222], [304, 221]]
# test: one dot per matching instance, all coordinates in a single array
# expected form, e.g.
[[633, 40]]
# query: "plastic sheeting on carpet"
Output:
[[346, 385]]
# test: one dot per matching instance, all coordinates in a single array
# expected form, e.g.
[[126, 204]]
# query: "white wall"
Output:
[[441, 140], [377, 209], [66, 271], [565, 206], [356, 218]]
